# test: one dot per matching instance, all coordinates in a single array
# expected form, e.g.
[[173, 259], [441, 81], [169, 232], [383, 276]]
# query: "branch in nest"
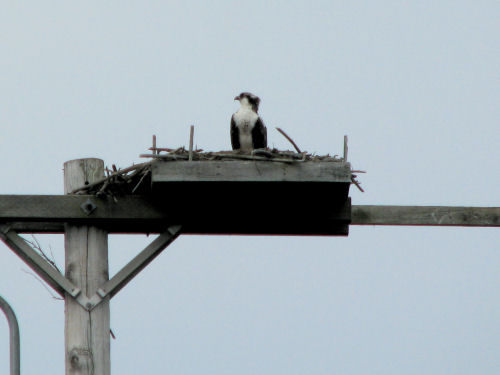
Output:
[[289, 139], [250, 157], [262, 152], [358, 185], [161, 149], [140, 181], [177, 150], [170, 156], [103, 188], [114, 174], [191, 136]]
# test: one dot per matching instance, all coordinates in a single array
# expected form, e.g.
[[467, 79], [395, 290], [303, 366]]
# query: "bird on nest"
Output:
[[248, 131]]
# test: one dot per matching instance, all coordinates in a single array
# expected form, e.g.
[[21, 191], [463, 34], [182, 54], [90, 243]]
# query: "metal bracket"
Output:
[[62, 285]]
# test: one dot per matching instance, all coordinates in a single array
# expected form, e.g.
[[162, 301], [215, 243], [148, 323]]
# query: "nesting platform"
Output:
[[281, 193], [255, 197]]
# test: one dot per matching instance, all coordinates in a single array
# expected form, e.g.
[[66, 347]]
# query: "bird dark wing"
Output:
[[259, 134], [235, 136]]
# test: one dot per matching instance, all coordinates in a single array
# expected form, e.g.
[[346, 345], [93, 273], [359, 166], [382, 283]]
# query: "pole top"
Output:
[[80, 172]]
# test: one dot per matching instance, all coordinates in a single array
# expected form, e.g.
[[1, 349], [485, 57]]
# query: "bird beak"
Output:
[[237, 98]]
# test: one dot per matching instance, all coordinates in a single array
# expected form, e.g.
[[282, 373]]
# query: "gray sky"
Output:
[[415, 86]]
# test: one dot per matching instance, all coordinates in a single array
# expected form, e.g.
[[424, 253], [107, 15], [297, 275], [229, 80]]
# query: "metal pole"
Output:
[[15, 350]]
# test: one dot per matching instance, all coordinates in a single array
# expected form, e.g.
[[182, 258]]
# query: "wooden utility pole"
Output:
[[87, 343]]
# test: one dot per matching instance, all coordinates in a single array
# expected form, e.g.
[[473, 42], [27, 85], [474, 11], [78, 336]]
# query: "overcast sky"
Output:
[[415, 86]]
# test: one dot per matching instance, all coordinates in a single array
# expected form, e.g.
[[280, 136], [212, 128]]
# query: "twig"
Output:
[[262, 152], [289, 154], [289, 139], [103, 187], [134, 173], [140, 181], [358, 185], [171, 156], [161, 149], [346, 148], [36, 245], [43, 284], [249, 157], [178, 150], [191, 134], [116, 173]]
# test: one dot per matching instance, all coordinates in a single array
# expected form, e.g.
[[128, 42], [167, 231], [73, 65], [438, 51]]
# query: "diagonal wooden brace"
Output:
[[61, 284], [136, 265], [43, 268]]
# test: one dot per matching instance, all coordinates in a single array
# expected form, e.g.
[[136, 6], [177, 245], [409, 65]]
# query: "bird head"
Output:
[[249, 99]]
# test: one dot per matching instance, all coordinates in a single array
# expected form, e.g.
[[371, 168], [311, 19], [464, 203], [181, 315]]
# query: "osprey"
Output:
[[248, 132]]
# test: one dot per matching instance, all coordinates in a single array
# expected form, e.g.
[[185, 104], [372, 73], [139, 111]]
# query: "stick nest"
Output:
[[136, 179]]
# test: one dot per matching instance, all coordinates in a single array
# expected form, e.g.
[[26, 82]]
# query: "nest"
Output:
[[136, 179], [272, 155], [131, 180]]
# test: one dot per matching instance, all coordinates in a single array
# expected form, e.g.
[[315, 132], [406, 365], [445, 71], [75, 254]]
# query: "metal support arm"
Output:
[[15, 346]]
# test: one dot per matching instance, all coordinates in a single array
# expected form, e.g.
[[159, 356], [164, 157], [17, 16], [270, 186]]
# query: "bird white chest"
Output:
[[245, 120]]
